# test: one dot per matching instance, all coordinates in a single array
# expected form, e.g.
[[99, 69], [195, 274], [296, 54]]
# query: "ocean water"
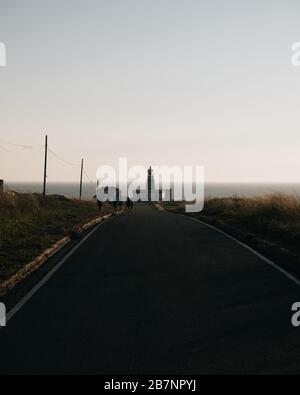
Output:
[[71, 190]]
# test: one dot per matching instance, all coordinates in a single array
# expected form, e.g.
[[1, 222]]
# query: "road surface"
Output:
[[151, 292]]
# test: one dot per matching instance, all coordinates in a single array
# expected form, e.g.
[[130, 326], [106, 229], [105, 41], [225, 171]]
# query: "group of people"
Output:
[[117, 204]]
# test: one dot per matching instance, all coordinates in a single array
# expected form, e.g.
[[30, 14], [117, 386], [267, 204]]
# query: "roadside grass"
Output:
[[274, 218], [29, 224]]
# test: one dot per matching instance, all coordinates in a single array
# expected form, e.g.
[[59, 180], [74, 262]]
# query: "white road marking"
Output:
[[47, 277], [271, 263]]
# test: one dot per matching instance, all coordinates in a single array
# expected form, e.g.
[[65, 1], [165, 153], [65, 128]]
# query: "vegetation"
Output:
[[273, 218], [29, 224]]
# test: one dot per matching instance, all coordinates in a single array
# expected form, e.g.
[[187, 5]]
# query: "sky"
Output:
[[161, 82]]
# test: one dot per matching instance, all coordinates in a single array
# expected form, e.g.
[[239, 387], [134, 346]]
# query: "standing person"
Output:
[[100, 205], [128, 202]]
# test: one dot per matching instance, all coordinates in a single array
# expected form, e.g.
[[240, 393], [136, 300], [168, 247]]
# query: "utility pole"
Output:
[[81, 174], [45, 165]]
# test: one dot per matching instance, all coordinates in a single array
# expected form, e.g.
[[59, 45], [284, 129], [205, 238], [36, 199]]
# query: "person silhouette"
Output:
[[100, 205], [128, 203]]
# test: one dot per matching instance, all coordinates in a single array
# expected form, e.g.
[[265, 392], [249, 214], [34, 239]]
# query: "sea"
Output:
[[71, 190]]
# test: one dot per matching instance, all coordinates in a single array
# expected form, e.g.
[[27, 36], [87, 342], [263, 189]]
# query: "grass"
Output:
[[29, 224], [274, 218]]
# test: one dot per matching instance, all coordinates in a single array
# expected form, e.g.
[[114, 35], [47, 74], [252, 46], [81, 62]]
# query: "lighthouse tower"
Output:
[[150, 184]]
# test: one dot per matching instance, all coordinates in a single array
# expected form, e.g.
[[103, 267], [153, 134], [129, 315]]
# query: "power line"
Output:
[[10, 150], [24, 146], [62, 159], [47, 149], [6, 149], [59, 157], [87, 176]]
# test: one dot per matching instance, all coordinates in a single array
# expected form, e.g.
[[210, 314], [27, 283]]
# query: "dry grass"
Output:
[[276, 217], [277, 214], [29, 224]]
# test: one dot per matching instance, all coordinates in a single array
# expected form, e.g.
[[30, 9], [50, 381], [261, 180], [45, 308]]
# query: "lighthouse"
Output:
[[150, 184]]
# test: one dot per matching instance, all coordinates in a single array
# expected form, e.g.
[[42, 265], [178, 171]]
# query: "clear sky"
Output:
[[157, 81]]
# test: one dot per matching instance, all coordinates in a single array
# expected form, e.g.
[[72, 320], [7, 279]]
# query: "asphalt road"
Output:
[[156, 293]]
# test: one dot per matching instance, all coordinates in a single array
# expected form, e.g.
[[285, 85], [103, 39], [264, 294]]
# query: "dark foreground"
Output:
[[152, 292]]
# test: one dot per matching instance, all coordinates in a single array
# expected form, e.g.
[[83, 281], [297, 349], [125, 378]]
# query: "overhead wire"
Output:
[[87, 176], [52, 152], [23, 146], [62, 159], [9, 150]]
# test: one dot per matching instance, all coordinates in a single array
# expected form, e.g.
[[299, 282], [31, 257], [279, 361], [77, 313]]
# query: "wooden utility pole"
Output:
[[81, 175], [45, 166]]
